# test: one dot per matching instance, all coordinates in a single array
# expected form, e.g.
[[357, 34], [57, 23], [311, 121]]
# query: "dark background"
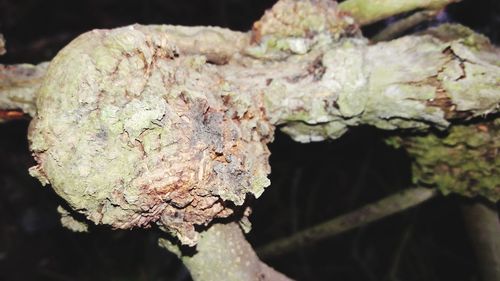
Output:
[[310, 182]]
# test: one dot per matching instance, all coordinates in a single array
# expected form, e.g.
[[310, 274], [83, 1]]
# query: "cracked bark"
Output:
[[179, 117]]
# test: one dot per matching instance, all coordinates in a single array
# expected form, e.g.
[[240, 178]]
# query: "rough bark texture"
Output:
[[131, 131], [223, 253], [18, 87], [169, 125], [412, 82]]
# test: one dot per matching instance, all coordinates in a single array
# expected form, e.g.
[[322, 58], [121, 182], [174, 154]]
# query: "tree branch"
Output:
[[112, 90], [179, 117], [483, 226], [369, 213], [18, 87], [223, 253], [412, 82], [369, 11], [400, 26]]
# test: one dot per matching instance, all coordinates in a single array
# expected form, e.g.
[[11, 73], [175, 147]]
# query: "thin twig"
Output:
[[396, 261], [483, 226], [2, 45], [369, 213], [402, 25]]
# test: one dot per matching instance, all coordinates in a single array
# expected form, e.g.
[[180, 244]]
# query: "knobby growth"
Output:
[[169, 126]]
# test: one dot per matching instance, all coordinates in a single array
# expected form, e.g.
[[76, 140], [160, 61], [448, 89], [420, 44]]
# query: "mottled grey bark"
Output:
[[223, 253]]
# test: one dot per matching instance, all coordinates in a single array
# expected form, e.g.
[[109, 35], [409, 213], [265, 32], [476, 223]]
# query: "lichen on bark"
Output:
[[224, 247], [369, 11], [465, 160], [169, 125], [132, 133], [18, 86], [414, 82], [70, 222], [294, 27]]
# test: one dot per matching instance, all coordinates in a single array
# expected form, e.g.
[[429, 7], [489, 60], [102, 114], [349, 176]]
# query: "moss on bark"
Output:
[[464, 161]]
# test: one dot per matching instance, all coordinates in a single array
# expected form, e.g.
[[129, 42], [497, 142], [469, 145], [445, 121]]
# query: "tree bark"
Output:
[[412, 82], [18, 87], [179, 117], [223, 253], [369, 11]]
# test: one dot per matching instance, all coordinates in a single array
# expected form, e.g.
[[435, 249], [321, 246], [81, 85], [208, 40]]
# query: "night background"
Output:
[[311, 183]]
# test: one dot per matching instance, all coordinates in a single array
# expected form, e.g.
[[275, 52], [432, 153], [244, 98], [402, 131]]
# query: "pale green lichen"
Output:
[[412, 82], [281, 33], [133, 130], [131, 133], [464, 161], [369, 11], [18, 86]]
